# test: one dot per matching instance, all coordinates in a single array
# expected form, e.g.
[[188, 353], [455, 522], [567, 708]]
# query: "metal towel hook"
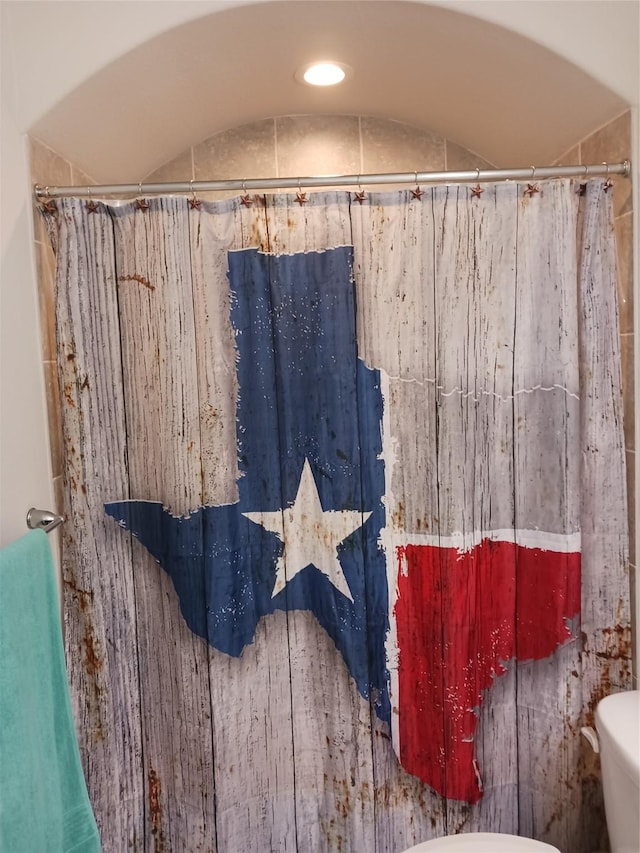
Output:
[[43, 519]]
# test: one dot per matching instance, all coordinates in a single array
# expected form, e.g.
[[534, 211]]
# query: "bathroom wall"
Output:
[[316, 145], [49, 169], [312, 145]]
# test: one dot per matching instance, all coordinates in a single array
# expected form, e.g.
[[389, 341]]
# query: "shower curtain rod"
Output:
[[531, 173]]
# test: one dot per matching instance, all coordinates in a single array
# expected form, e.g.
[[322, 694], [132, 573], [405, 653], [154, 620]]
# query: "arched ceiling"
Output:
[[487, 88]]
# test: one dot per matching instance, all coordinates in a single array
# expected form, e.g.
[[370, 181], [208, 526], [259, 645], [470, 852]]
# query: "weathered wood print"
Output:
[[371, 457]]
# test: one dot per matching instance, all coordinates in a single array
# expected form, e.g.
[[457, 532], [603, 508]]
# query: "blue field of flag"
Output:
[[309, 436]]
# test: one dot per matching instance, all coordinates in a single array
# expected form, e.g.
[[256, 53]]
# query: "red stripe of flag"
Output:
[[456, 629]]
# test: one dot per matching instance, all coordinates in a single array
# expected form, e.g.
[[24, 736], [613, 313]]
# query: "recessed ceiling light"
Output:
[[322, 73]]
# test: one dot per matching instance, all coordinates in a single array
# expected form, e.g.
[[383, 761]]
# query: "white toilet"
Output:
[[618, 725], [482, 842]]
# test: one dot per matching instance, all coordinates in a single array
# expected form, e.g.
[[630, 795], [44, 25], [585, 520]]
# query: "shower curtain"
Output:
[[345, 563]]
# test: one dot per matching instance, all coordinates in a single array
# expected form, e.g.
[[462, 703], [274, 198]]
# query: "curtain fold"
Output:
[[376, 449]]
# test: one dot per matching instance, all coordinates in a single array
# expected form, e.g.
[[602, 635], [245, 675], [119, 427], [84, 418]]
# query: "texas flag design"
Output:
[[424, 623]]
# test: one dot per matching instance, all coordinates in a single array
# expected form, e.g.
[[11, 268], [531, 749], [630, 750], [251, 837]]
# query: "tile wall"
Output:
[[290, 146], [49, 169]]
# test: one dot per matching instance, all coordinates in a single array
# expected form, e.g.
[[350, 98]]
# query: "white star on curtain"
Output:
[[310, 534]]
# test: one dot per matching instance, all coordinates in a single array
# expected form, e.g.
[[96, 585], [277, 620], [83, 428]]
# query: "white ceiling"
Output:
[[487, 88]]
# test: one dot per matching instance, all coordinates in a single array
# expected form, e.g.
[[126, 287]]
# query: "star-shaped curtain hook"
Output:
[[91, 205], [360, 195], [245, 199], [194, 201], [301, 197], [141, 203], [477, 191], [608, 183], [417, 193], [49, 205], [532, 188], [582, 188]]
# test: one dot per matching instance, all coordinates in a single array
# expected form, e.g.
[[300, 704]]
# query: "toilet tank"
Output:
[[618, 725]]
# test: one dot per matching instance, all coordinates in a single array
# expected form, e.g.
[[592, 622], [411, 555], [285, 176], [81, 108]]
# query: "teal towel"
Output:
[[44, 806]]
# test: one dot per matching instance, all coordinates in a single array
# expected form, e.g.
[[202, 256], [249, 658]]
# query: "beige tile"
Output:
[[40, 233], [58, 508], [242, 152], [634, 625], [178, 169], [45, 264], [569, 158], [79, 178], [47, 167], [318, 145], [624, 247], [460, 159], [58, 494], [391, 146], [631, 502], [626, 352], [612, 144], [54, 416]]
